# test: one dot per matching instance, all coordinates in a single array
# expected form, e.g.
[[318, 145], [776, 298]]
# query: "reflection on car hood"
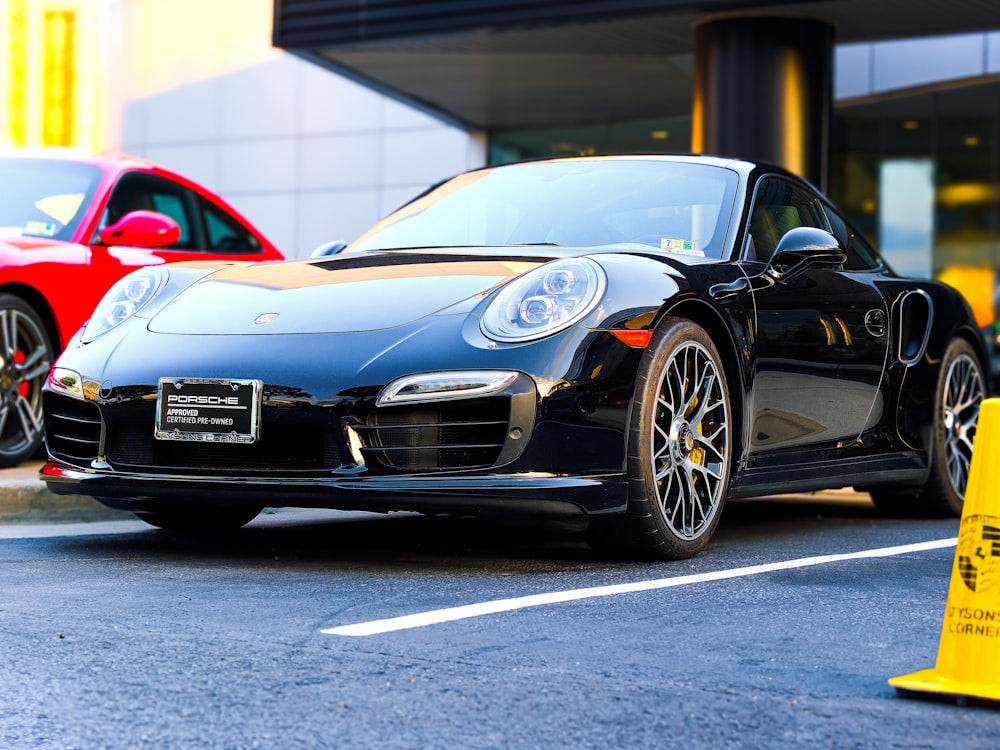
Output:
[[336, 295], [20, 253], [21, 242]]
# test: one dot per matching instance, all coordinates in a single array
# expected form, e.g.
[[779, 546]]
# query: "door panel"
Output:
[[822, 339], [822, 334]]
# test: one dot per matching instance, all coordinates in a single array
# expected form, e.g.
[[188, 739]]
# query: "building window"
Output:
[[651, 136]]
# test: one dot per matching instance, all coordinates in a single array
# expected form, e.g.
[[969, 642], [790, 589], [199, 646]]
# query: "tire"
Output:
[[200, 520], [679, 448], [960, 389], [26, 355]]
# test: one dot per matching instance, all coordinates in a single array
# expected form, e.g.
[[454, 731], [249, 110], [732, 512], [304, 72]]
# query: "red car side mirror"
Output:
[[142, 229]]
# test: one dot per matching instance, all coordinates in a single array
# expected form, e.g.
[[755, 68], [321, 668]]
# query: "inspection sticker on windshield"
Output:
[[40, 229], [684, 247], [208, 410]]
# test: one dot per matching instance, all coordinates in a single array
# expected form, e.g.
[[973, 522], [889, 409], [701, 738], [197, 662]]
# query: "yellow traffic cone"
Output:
[[968, 660]]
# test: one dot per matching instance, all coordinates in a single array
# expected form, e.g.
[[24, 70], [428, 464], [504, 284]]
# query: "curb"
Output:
[[24, 498]]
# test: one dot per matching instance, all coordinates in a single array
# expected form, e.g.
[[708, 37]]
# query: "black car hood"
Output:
[[337, 295]]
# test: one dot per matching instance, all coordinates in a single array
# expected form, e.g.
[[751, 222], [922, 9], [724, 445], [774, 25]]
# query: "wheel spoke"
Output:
[[965, 441], [668, 503], [36, 364], [8, 335], [704, 405], [701, 498], [707, 472], [667, 407], [665, 461], [31, 424], [661, 432], [958, 470], [965, 379], [690, 501], [694, 381], [708, 443]]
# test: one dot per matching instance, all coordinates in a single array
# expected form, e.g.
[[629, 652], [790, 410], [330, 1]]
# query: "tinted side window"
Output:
[[860, 255], [780, 205], [172, 204], [137, 191], [223, 233]]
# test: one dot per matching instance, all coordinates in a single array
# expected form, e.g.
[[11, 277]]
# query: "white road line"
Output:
[[436, 617]]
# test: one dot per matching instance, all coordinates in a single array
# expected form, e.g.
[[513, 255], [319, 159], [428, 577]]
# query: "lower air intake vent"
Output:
[[282, 449], [451, 435], [72, 429]]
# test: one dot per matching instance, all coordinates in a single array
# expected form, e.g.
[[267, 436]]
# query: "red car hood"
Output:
[[29, 243], [21, 251]]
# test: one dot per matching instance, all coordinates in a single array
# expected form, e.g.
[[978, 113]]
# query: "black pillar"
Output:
[[763, 91]]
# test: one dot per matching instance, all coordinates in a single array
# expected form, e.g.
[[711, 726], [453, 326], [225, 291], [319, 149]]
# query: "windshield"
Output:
[[44, 197], [673, 206]]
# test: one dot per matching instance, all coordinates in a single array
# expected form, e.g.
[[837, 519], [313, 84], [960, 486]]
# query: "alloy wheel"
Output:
[[25, 359], [689, 441], [963, 393]]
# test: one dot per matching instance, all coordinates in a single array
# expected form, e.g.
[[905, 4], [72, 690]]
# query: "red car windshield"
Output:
[[44, 197]]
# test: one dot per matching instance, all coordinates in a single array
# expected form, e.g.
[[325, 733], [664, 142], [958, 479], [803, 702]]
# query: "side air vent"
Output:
[[916, 312]]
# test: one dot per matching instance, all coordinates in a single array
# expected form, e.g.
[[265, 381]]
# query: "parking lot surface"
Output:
[[119, 635]]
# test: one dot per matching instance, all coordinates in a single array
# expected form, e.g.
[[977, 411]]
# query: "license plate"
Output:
[[208, 410]]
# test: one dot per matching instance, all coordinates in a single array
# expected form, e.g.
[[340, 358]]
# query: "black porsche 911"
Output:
[[615, 345]]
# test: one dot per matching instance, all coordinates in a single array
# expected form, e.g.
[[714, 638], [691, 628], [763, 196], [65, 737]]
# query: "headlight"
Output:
[[545, 300], [124, 300], [66, 381]]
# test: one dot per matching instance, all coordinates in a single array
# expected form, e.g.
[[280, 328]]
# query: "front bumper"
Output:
[[527, 496]]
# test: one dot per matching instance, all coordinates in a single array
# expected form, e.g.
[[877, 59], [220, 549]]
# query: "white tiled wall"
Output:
[[307, 155]]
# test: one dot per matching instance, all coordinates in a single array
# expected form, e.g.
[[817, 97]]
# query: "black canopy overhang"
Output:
[[515, 63]]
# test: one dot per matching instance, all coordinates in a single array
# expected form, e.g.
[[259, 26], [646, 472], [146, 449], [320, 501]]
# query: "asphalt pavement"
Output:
[[784, 632]]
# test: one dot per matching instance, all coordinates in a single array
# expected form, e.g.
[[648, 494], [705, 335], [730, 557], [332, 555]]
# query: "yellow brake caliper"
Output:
[[697, 453]]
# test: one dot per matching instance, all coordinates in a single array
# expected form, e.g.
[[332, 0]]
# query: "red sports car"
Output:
[[70, 226]]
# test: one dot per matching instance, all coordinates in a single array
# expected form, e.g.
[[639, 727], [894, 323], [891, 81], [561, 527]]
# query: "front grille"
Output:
[[283, 448], [303, 440], [72, 429], [447, 435]]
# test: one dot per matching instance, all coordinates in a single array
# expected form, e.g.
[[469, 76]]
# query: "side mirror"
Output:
[[806, 246], [142, 229], [328, 248]]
